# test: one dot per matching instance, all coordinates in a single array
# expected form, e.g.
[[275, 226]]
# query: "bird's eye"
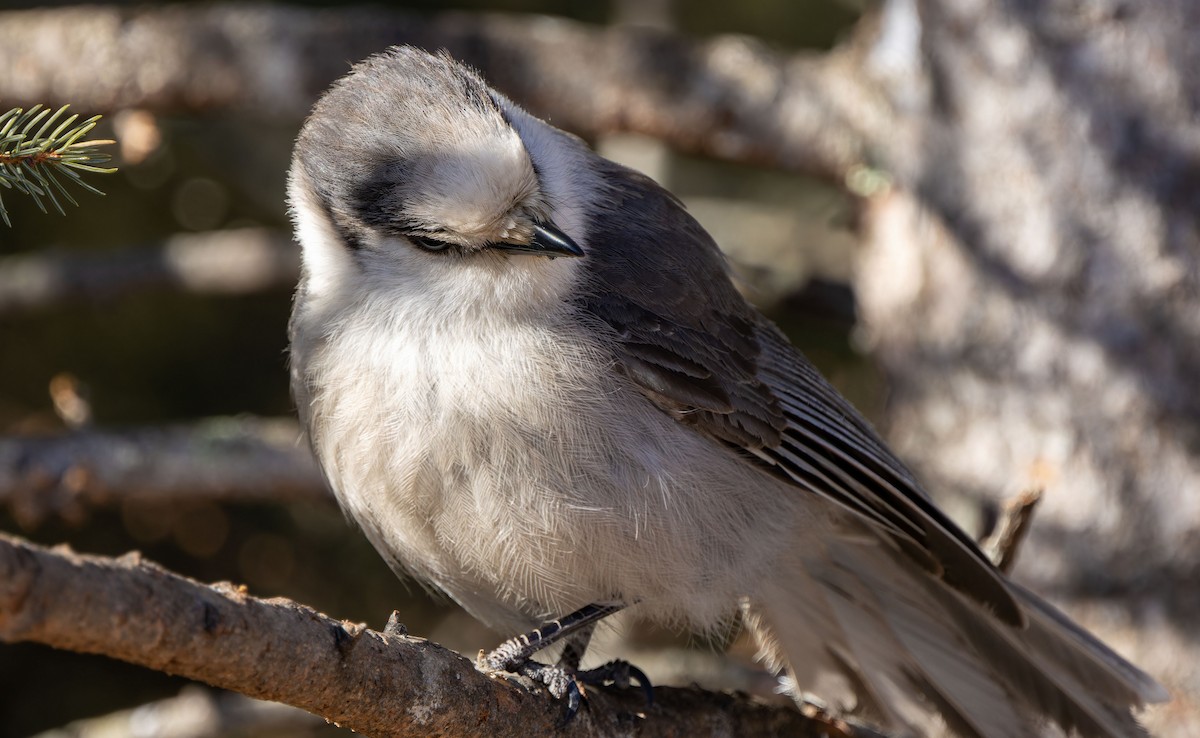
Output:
[[426, 243]]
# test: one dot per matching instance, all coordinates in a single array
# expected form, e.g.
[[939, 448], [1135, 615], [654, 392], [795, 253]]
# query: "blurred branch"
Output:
[[195, 712], [243, 459], [729, 97], [223, 262], [378, 684]]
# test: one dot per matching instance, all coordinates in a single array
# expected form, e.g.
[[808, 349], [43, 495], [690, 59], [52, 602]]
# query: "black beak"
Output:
[[547, 241]]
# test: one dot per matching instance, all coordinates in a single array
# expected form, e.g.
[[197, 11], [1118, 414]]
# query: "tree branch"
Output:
[[223, 262], [729, 97], [1017, 516], [382, 685], [243, 459]]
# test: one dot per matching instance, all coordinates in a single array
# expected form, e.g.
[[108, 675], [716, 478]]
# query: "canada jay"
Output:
[[527, 375]]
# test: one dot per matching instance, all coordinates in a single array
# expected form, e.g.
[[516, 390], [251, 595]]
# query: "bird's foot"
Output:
[[565, 682], [621, 674], [560, 681]]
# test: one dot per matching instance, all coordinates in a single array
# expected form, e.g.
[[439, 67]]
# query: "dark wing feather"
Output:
[[686, 338]]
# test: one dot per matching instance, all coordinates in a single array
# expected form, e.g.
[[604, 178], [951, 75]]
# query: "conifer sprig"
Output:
[[39, 153]]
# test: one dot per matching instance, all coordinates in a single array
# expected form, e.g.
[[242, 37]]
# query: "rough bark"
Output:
[[382, 685]]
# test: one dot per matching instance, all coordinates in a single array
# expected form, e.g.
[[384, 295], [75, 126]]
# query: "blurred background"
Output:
[[979, 223]]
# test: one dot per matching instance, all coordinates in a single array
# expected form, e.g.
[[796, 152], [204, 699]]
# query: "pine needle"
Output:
[[38, 163]]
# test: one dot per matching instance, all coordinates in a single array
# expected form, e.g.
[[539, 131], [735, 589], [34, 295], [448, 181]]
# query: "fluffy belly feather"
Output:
[[501, 480]]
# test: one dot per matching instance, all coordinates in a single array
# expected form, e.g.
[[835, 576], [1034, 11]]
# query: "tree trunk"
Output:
[[1031, 287]]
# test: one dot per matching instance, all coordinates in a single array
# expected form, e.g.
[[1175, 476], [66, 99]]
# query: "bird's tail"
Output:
[[898, 646]]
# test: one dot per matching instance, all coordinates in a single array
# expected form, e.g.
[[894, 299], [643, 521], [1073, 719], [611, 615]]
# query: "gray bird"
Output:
[[527, 375]]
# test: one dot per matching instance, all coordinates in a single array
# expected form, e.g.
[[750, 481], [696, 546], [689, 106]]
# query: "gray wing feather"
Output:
[[686, 338]]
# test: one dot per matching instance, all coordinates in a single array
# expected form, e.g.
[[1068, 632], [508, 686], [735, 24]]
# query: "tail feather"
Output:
[[947, 670], [813, 629], [1116, 679], [1077, 689], [784, 622], [880, 660], [918, 648]]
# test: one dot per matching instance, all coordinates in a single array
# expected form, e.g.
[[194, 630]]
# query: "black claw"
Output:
[[620, 674], [643, 681], [574, 700]]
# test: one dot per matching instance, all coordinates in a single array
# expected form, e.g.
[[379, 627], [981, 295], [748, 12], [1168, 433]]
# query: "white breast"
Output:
[[503, 458]]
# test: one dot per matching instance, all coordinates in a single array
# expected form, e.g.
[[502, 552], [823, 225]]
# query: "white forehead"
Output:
[[471, 181]]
